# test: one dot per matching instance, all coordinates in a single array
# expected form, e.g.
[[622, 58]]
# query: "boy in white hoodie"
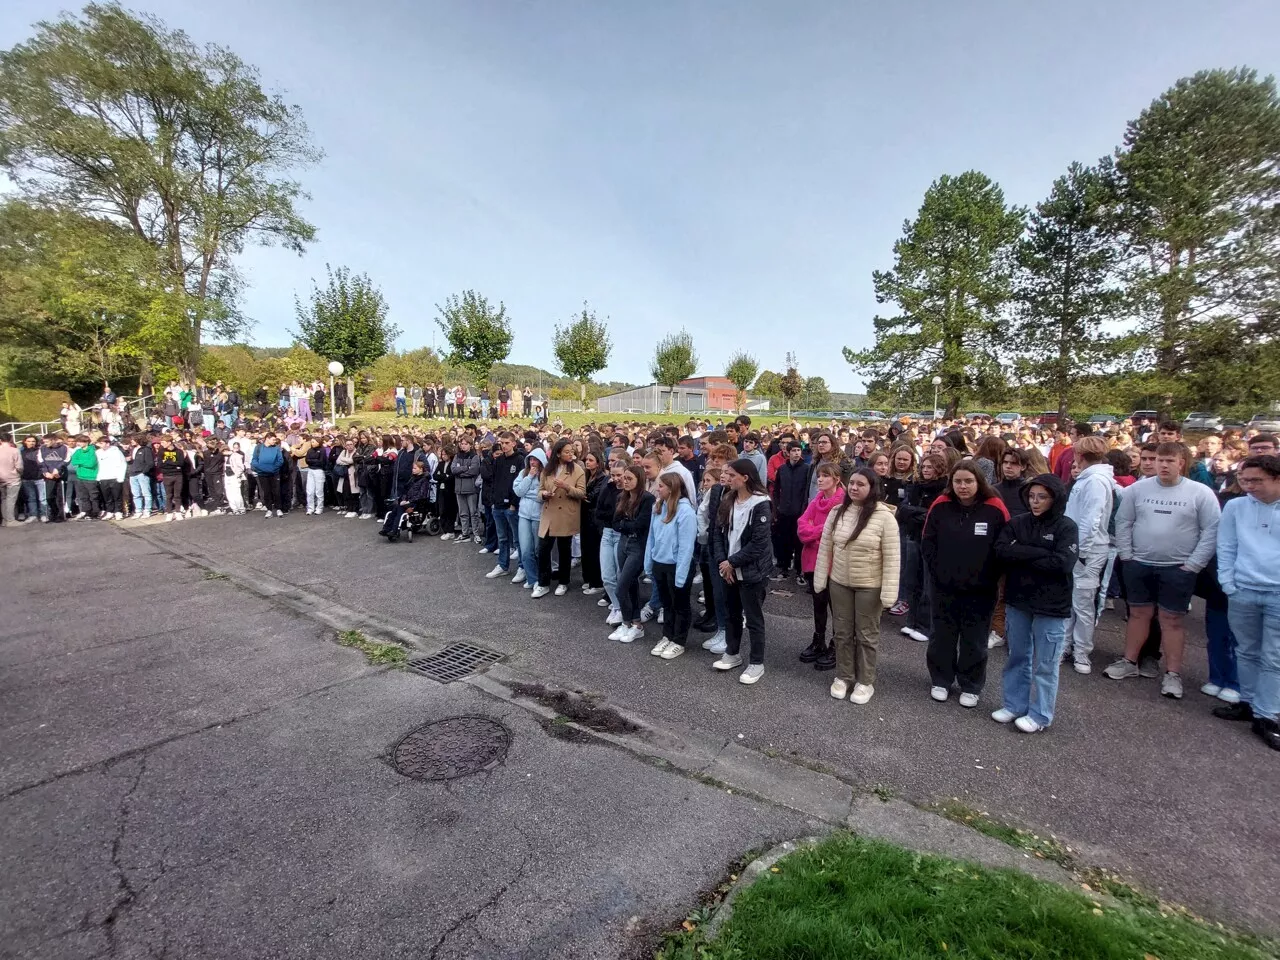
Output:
[[1089, 505]]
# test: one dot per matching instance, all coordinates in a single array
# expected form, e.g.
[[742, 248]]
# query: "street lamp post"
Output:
[[335, 370], [937, 382]]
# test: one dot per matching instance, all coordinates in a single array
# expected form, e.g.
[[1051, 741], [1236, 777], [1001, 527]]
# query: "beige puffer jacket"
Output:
[[870, 561]]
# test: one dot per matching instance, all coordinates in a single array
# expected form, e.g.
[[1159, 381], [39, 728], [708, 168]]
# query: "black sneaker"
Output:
[[778, 577], [1234, 711], [706, 625], [812, 652], [1269, 731]]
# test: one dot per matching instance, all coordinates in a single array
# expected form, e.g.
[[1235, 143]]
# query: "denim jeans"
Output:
[[609, 565], [484, 409], [315, 490], [507, 526], [400, 407], [1221, 648], [1035, 650], [1255, 620], [140, 490], [529, 548], [630, 566], [34, 497]]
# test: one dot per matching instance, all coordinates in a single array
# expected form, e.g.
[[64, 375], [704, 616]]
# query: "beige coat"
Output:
[[562, 506], [870, 561]]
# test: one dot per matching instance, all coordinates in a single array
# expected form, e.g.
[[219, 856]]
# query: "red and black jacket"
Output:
[[958, 544]]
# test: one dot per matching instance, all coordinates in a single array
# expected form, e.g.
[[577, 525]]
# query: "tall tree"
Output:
[[120, 117], [791, 384], [950, 280], [741, 369], [1198, 179], [768, 384], [674, 359], [582, 348], [1066, 287], [815, 395], [345, 320], [478, 335]]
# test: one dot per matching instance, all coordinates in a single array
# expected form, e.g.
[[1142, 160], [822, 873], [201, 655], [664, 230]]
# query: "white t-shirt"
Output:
[[399, 393]]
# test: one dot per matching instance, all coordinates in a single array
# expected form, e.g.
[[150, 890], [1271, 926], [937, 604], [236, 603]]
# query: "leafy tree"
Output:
[[478, 335], [741, 369], [674, 359], [950, 280], [768, 384], [791, 384], [814, 395], [1198, 179], [582, 347], [121, 118], [1066, 287], [346, 320]]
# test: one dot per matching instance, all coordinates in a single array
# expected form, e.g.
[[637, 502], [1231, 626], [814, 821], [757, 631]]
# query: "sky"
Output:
[[736, 168]]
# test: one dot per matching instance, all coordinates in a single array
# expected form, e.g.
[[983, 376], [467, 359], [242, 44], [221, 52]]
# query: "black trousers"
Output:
[[565, 545], [786, 543], [215, 491], [745, 600], [269, 490], [591, 575], [88, 497], [958, 645], [111, 501], [172, 492], [675, 602]]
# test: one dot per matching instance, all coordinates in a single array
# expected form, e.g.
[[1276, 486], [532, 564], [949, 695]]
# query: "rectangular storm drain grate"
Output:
[[454, 662]]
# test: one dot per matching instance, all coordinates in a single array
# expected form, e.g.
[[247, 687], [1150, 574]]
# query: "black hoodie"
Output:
[[1038, 554], [1011, 493], [915, 506], [958, 544]]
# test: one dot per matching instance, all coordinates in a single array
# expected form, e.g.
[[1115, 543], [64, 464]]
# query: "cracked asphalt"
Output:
[[189, 770], [1155, 789]]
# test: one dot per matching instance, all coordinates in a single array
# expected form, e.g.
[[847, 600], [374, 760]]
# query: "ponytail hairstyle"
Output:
[[748, 470], [869, 505]]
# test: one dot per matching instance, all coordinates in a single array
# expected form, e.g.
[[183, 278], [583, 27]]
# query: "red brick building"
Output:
[[721, 393]]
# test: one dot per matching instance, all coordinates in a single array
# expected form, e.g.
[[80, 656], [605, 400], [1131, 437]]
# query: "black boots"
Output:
[[820, 653]]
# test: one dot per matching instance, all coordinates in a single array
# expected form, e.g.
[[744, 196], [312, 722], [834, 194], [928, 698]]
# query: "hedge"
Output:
[[30, 406]]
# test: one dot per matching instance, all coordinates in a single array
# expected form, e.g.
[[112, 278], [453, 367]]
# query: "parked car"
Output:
[[1008, 417], [1266, 422], [977, 415], [1105, 419], [1047, 419], [1137, 415], [1203, 422], [871, 415]]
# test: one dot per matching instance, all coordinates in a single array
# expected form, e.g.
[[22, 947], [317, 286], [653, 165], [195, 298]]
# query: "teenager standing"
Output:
[[563, 487], [809, 527], [631, 521], [742, 551], [673, 530]]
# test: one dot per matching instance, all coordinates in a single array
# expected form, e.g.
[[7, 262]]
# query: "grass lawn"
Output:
[[386, 418], [853, 898]]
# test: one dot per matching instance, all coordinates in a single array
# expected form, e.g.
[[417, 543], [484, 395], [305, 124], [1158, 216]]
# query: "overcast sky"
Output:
[[734, 167]]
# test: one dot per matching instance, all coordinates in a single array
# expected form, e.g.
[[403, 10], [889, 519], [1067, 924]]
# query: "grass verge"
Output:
[[1043, 848], [378, 654], [850, 897]]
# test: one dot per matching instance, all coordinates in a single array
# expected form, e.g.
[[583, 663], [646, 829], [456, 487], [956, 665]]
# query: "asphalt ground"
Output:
[[1155, 789], [189, 770]]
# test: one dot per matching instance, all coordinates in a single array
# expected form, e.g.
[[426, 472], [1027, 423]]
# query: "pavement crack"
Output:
[[714, 757], [126, 894], [474, 914]]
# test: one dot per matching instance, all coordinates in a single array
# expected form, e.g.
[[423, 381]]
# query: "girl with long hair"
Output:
[[809, 527], [742, 550], [958, 543], [597, 479], [563, 488], [631, 520], [606, 505], [914, 587], [673, 531], [858, 564]]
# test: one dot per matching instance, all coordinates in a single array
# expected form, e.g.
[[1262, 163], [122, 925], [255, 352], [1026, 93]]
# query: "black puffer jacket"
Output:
[[914, 507], [1038, 554], [754, 557], [958, 541], [605, 504]]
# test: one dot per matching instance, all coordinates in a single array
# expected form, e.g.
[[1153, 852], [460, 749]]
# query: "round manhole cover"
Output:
[[451, 748]]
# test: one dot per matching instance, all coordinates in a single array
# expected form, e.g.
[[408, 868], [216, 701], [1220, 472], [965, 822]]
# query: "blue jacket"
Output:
[[672, 542], [267, 459], [526, 487]]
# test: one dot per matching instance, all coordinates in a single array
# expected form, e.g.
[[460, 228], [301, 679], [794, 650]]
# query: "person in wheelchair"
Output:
[[411, 503]]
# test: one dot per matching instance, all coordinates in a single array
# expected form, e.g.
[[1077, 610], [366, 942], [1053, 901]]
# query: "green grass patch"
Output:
[[371, 418], [849, 898], [1042, 848], [378, 654]]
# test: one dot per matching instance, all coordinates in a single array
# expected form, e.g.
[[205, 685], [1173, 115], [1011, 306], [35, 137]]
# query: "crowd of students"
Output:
[[973, 535]]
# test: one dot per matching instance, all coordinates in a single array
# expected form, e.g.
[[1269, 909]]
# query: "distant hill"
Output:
[[523, 374], [849, 401]]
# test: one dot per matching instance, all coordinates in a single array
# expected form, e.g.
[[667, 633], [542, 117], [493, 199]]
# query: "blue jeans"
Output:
[[484, 409], [140, 490], [529, 548], [1221, 649], [507, 527], [1255, 620], [33, 494], [401, 408], [1035, 648], [609, 565]]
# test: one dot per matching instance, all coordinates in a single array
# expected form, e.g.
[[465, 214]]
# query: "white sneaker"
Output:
[[968, 699], [592, 591], [484, 550], [519, 577], [862, 693], [728, 661], [1211, 689], [494, 573], [712, 640], [994, 640], [753, 673], [632, 634], [697, 579], [528, 584], [350, 514], [915, 635], [1122, 669], [721, 644], [1227, 695], [905, 631], [614, 618], [279, 513], [602, 602], [1082, 666], [1027, 725], [839, 689], [169, 518], [446, 537], [146, 515], [673, 650], [939, 693], [659, 647], [1004, 716], [561, 590], [622, 629], [539, 592], [646, 614]]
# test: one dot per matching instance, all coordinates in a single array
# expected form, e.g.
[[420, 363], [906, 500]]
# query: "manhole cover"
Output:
[[454, 662], [448, 749]]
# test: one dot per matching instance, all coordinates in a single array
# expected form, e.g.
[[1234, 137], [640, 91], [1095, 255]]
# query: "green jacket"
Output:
[[86, 463]]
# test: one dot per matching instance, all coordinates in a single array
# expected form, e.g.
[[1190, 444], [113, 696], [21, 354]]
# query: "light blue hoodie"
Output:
[[672, 542], [526, 487], [1249, 545]]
